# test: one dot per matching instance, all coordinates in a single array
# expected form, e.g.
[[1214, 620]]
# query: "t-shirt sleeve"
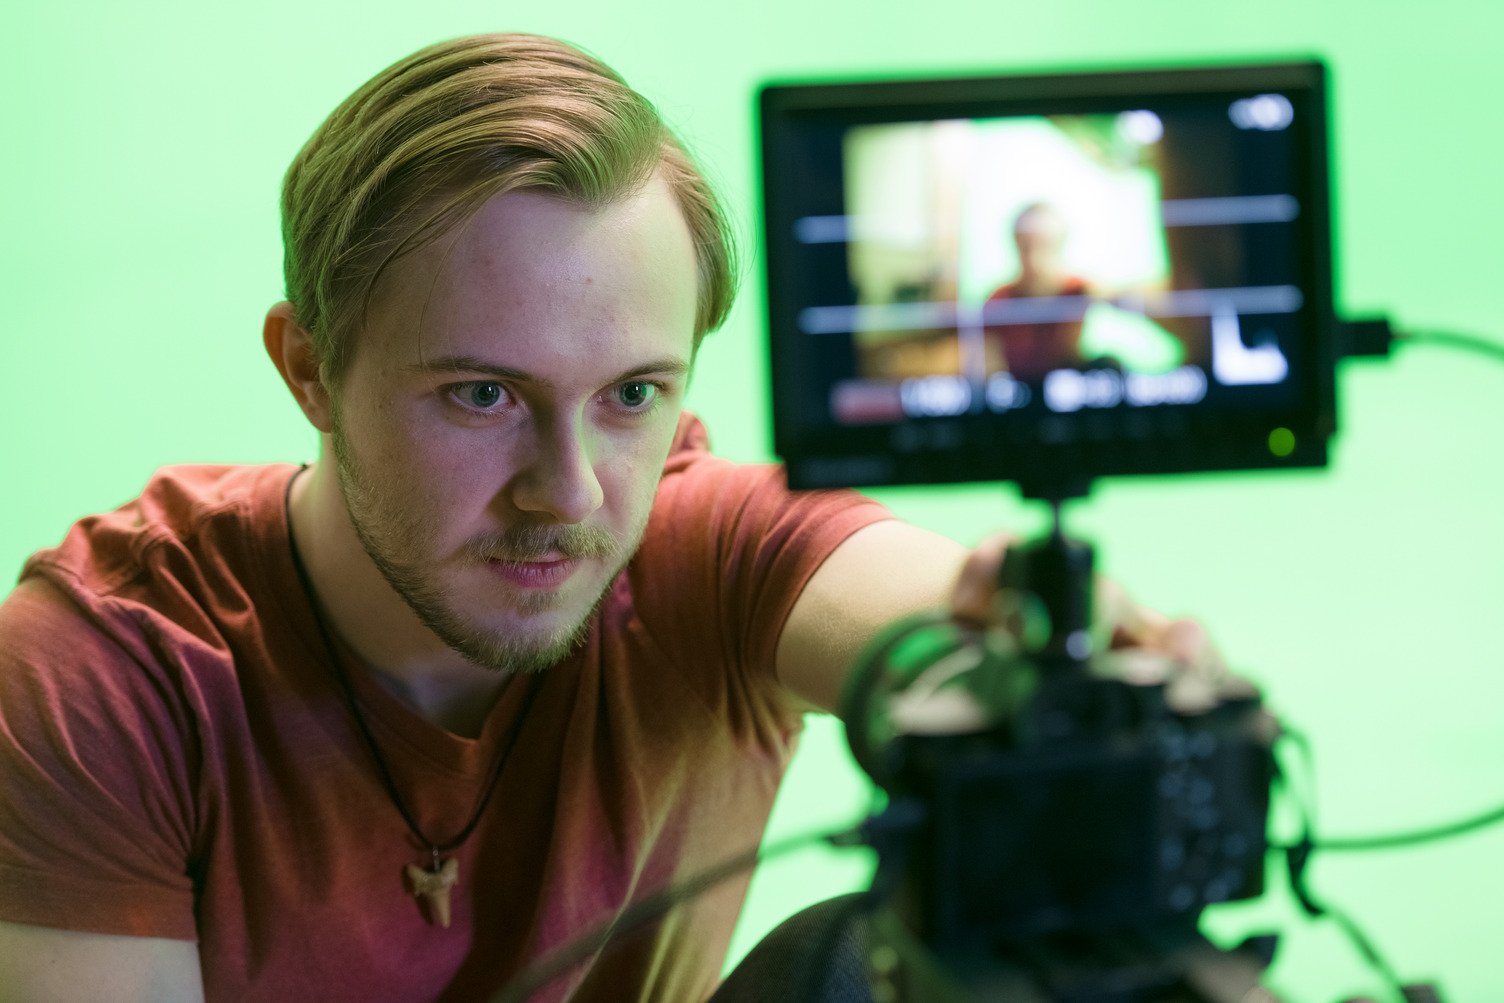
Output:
[[728, 551], [96, 818]]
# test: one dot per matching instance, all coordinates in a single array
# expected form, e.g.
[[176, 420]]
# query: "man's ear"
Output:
[[292, 352]]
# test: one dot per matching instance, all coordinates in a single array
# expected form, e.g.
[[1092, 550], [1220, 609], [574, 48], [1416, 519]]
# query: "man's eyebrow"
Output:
[[470, 365]]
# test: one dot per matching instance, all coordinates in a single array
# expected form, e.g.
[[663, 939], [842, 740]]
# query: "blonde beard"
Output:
[[385, 536]]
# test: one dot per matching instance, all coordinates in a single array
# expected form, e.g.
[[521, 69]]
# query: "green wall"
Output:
[[144, 143]]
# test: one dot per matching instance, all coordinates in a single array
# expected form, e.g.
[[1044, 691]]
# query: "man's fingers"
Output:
[[1149, 648], [971, 602], [1187, 642], [1127, 624]]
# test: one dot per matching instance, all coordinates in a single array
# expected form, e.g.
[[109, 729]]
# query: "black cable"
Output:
[[1413, 837], [1384, 841], [1374, 337], [1298, 859], [550, 966], [1451, 339]]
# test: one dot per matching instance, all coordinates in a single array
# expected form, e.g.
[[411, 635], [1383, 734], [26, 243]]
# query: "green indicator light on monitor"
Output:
[[1281, 442]]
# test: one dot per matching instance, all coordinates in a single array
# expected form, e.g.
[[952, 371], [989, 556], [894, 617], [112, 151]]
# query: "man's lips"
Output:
[[545, 574]]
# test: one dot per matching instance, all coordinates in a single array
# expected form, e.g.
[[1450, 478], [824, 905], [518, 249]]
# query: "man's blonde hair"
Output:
[[426, 142]]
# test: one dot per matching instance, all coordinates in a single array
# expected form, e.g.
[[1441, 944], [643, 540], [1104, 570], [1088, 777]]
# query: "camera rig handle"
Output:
[[1052, 577]]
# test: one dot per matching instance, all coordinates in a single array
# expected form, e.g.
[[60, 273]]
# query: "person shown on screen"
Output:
[[1032, 338], [515, 652]]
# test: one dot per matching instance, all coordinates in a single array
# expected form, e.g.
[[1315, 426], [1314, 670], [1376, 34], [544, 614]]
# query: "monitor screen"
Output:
[[1048, 278]]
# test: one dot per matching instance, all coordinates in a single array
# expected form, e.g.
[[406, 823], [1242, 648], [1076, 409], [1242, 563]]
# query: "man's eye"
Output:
[[482, 395], [637, 395]]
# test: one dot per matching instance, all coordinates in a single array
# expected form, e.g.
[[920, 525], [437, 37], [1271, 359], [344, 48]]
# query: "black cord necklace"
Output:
[[433, 883]]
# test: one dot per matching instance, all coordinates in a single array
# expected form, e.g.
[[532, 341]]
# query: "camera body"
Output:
[[1096, 809], [1058, 816]]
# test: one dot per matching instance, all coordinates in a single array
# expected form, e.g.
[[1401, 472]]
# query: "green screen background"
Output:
[[144, 144]]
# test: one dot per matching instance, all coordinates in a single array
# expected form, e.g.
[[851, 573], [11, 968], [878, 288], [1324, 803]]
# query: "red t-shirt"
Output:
[[1032, 348], [177, 759]]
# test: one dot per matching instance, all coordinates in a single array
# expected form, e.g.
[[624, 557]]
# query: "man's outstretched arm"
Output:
[[41, 965], [881, 572], [892, 569]]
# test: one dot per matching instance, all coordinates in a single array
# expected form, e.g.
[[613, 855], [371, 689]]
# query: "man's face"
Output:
[[502, 427], [1040, 238]]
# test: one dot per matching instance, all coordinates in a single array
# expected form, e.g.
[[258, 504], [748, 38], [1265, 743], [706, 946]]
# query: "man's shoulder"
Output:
[[691, 442], [105, 551], [699, 486], [167, 556], [710, 511], [1006, 291]]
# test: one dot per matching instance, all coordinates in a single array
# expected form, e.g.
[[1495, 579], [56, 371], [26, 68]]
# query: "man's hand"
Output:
[[1147, 646]]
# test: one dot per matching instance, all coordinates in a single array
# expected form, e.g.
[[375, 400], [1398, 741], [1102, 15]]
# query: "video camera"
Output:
[[1050, 279]]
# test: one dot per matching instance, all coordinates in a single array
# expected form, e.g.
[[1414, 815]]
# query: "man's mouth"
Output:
[[547, 573]]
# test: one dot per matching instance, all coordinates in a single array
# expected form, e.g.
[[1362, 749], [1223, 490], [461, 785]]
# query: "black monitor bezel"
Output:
[[1067, 449]]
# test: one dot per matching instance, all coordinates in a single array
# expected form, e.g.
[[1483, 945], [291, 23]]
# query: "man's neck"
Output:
[[361, 608]]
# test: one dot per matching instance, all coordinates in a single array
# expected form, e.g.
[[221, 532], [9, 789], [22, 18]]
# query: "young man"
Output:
[[1030, 350], [515, 652]]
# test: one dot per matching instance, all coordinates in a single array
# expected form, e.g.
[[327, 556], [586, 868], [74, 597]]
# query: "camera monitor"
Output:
[[1049, 278]]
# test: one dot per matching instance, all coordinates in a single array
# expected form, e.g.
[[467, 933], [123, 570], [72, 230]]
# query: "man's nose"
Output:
[[560, 481]]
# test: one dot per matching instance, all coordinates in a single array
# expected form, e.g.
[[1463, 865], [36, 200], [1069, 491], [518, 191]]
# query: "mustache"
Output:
[[535, 543]]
